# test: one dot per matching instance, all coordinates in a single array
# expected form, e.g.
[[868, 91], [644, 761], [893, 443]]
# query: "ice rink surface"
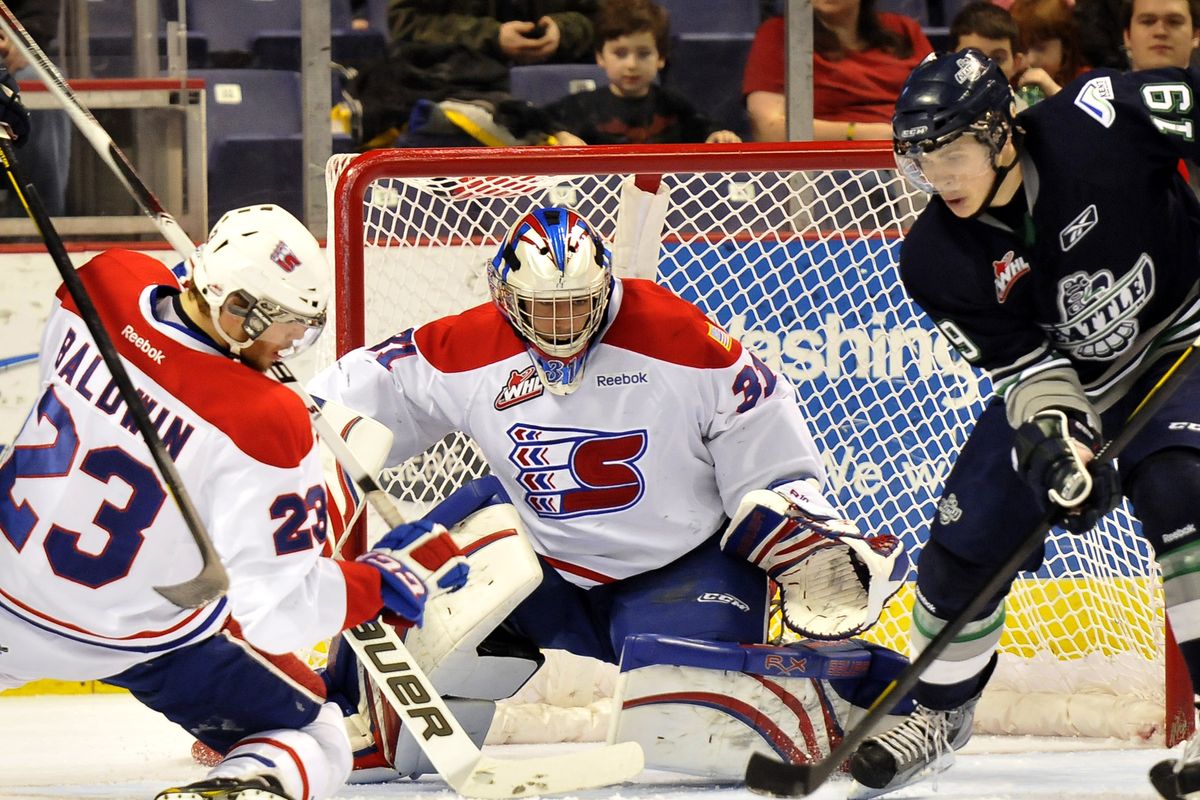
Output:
[[108, 747]]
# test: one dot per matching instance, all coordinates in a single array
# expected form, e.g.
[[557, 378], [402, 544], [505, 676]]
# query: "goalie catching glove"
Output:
[[833, 580], [1047, 455], [418, 561]]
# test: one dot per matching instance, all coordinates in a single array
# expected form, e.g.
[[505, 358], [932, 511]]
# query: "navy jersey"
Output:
[[1096, 273]]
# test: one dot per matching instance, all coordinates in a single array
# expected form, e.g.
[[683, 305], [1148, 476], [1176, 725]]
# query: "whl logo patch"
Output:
[[521, 386], [1007, 270]]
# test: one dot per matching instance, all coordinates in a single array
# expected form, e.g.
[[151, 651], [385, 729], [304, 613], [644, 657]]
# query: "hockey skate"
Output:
[[1179, 779], [260, 787], [920, 746]]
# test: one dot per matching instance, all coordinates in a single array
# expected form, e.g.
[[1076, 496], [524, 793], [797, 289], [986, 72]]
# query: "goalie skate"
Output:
[[262, 787]]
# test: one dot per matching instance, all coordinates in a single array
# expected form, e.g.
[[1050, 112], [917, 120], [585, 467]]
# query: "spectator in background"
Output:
[[990, 29], [46, 156], [1160, 33], [631, 45], [531, 32], [861, 58], [1050, 39]]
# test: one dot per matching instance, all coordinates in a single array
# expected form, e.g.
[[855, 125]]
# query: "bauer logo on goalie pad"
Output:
[[520, 386]]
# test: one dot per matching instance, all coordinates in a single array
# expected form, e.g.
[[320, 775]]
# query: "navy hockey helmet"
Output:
[[945, 96]]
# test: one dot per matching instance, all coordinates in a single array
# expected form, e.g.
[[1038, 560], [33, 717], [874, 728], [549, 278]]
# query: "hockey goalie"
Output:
[[651, 479]]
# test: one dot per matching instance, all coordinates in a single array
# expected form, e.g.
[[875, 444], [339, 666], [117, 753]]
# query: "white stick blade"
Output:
[[495, 778]]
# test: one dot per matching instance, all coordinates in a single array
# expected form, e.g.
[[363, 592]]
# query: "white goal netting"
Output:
[[792, 248]]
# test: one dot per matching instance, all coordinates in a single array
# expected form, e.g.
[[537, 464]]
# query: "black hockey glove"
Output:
[[12, 111], [1045, 457]]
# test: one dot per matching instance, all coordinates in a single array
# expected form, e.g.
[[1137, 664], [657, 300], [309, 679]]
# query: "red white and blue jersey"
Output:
[[87, 527], [673, 423]]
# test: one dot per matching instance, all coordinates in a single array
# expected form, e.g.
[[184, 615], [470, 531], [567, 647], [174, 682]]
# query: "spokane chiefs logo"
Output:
[[520, 386], [284, 257], [572, 472]]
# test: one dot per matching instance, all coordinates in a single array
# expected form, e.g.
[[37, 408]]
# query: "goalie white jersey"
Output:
[[87, 527], [673, 423]]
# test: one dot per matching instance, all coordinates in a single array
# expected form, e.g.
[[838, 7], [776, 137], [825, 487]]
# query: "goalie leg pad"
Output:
[[504, 571], [704, 708]]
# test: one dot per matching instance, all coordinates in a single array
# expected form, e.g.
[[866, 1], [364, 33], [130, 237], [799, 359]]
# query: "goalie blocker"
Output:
[[704, 707]]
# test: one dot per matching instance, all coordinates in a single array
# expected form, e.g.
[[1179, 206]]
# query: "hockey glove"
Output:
[[13, 115], [1047, 457], [833, 580], [418, 561]]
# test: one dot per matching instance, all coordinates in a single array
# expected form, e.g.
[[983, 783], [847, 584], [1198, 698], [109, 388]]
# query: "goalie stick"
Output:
[[768, 775], [410, 692], [212, 581]]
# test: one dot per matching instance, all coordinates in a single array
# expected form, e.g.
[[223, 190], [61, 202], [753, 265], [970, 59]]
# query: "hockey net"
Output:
[[792, 248]]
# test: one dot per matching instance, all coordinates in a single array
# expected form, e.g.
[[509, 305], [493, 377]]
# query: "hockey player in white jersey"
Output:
[[662, 471], [88, 529]]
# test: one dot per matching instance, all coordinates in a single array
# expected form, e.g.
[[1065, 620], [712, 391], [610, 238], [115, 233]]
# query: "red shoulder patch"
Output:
[[264, 419], [475, 338], [656, 323]]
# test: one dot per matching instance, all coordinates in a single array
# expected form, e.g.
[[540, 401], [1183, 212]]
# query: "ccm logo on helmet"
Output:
[[143, 344], [284, 257], [917, 131], [1184, 426]]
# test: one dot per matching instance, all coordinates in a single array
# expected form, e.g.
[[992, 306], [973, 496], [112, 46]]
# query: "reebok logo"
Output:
[[143, 344], [624, 379], [1077, 228], [1178, 534]]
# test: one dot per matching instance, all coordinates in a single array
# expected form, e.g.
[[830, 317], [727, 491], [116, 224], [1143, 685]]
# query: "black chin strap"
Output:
[[1001, 174]]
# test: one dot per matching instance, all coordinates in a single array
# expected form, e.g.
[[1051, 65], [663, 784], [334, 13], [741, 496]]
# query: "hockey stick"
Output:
[[410, 692], [771, 776], [93, 131], [212, 581]]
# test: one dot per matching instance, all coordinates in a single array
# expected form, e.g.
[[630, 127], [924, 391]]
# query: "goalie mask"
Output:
[[946, 96], [551, 279], [262, 265]]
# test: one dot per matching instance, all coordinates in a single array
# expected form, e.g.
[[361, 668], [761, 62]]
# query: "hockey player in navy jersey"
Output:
[[662, 473], [87, 529], [1060, 252]]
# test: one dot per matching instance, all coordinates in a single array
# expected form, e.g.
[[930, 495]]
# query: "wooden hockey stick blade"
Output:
[[448, 746], [771, 776], [212, 581]]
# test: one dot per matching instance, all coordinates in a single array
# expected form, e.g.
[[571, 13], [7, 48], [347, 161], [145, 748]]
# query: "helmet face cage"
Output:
[[946, 96], [551, 279]]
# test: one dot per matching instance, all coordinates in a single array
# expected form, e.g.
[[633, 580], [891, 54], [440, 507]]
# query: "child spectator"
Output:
[[990, 29], [631, 46], [1050, 39], [861, 58]]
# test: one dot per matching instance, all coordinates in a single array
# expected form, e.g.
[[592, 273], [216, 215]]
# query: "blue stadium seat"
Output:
[[232, 25], [706, 16], [110, 40], [280, 49], [255, 143], [542, 84], [707, 70]]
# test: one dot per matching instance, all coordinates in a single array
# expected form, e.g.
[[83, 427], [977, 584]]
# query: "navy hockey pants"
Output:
[[704, 594]]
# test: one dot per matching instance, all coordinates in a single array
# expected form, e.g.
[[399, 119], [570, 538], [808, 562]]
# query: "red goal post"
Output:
[[792, 247]]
